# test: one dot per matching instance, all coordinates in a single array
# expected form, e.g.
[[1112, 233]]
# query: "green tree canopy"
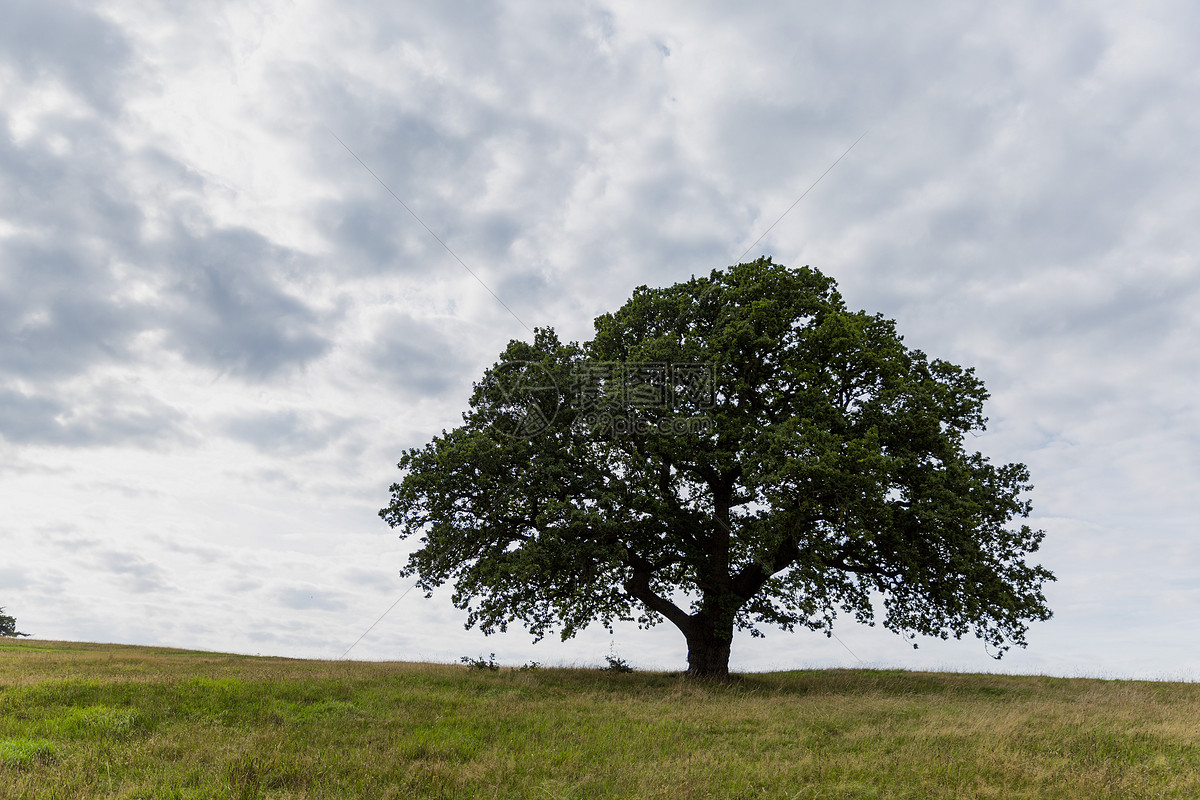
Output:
[[8, 625], [732, 452]]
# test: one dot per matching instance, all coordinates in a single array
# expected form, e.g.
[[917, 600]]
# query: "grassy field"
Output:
[[87, 720]]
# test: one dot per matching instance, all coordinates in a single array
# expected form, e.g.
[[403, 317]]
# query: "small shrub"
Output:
[[616, 664], [532, 665], [479, 663]]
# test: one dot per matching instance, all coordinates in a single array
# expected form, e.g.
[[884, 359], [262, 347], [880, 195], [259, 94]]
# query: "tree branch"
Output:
[[752, 577], [638, 586]]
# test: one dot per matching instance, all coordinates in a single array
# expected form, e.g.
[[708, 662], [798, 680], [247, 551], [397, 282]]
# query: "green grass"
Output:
[[83, 720]]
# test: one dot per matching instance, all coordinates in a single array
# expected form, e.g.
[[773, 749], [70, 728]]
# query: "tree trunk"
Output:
[[708, 659], [709, 641], [709, 632]]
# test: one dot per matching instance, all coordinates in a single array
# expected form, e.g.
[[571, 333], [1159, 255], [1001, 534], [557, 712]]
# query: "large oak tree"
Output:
[[735, 451]]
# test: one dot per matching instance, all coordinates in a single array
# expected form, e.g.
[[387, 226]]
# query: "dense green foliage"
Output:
[[8, 625], [730, 452], [91, 721]]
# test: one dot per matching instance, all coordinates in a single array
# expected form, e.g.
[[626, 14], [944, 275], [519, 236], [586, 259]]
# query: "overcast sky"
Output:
[[218, 332]]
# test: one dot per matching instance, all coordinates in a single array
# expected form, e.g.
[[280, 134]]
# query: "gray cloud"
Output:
[[378, 580], [417, 357], [104, 415], [69, 333], [242, 585], [15, 578], [228, 310], [456, 178], [140, 576], [204, 553], [61, 308], [68, 41], [69, 187], [285, 431], [217, 294], [307, 597], [78, 214]]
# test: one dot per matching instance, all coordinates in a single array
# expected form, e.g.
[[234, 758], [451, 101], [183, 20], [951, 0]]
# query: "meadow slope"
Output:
[[90, 720]]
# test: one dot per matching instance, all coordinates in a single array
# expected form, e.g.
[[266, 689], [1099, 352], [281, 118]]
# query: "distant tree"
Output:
[[8, 625], [726, 453]]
